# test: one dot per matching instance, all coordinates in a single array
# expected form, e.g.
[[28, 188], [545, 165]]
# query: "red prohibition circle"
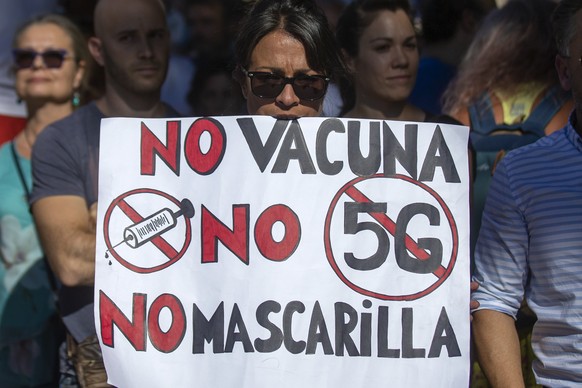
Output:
[[124, 262], [409, 297]]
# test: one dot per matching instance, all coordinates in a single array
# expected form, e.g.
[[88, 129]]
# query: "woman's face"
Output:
[[386, 65], [281, 54], [39, 83]]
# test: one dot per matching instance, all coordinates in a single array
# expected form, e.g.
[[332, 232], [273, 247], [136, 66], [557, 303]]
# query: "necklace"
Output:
[[27, 140]]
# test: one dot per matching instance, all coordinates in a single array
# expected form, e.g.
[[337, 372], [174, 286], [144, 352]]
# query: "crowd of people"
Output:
[[510, 72]]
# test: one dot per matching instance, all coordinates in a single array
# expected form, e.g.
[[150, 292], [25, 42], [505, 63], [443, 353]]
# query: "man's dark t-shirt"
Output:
[[65, 161]]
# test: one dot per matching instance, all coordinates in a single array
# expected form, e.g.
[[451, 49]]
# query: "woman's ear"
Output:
[[239, 77], [563, 70], [244, 90], [348, 61], [78, 80]]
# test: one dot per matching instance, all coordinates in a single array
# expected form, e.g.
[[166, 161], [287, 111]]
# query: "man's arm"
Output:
[[66, 228], [501, 270], [498, 350]]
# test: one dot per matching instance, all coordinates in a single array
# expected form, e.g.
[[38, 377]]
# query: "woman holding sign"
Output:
[[49, 63], [286, 56]]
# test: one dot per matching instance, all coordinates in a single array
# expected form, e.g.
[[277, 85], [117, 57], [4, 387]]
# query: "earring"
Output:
[[76, 99], [19, 100]]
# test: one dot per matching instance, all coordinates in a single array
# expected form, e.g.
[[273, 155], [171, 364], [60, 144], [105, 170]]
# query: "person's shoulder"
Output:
[[4, 147], [540, 154], [543, 145], [70, 132], [72, 124], [5, 154], [86, 112]]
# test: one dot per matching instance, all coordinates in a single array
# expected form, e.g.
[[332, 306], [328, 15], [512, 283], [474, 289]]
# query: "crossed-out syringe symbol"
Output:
[[150, 227]]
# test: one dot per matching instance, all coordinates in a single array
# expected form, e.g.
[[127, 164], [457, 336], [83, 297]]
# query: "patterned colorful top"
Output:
[[28, 320]]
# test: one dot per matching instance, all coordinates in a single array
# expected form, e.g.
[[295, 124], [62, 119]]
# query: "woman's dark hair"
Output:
[[303, 20], [356, 17]]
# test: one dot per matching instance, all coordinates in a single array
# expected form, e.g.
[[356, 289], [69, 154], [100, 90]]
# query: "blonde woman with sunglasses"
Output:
[[49, 55]]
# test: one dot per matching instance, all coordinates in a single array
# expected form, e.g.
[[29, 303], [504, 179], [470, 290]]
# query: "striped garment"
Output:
[[530, 244]]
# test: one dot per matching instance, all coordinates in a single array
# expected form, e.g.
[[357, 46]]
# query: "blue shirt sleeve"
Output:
[[502, 247]]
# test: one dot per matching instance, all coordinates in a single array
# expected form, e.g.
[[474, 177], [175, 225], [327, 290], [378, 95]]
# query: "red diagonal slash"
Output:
[[158, 241], [390, 226]]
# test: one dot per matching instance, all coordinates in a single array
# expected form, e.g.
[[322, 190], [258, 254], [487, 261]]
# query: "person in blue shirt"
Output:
[[530, 243]]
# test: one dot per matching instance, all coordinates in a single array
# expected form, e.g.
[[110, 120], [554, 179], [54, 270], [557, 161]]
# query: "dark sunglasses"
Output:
[[270, 85], [52, 58]]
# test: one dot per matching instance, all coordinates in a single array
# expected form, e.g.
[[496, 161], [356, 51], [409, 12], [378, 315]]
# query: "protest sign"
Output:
[[255, 252]]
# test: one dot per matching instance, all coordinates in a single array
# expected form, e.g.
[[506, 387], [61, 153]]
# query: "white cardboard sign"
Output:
[[255, 252]]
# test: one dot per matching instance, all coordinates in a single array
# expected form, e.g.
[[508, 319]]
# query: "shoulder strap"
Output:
[[19, 170], [51, 276], [481, 115], [545, 110]]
